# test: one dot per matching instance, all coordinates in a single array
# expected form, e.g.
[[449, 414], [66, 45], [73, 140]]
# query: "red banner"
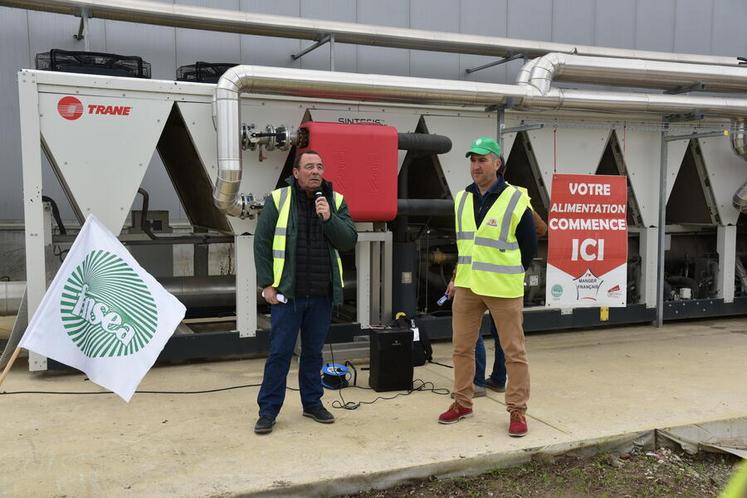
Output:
[[588, 241]]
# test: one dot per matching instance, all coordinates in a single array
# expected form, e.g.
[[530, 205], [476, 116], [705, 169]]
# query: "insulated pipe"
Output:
[[425, 207], [226, 191], [630, 72], [739, 138], [538, 75], [424, 142], [740, 198], [525, 73], [592, 100], [739, 144], [215, 293], [422, 91], [323, 84], [232, 21]]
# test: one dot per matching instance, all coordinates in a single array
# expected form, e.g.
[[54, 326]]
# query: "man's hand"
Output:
[[540, 227], [450, 289], [322, 208], [270, 294]]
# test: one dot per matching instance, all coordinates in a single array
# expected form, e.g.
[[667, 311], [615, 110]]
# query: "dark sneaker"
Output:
[[264, 425], [319, 414], [494, 386], [454, 414], [479, 392], [518, 425]]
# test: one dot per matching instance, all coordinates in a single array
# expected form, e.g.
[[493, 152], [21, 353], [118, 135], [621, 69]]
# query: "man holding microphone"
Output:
[[300, 231]]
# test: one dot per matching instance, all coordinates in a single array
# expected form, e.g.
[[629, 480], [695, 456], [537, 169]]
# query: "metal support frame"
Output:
[[663, 203], [705, 183], [501, 122], [704, 308], [511, 57], [695, 115], [85, 15], [331, 52], [726, 246], [33, 208], [709, 134], [325, 38], [697, 86], [543, 320], [648, 250], [524, 127], [363, 273], [246, 285], [502, 130], [373, 261], [388, 264]]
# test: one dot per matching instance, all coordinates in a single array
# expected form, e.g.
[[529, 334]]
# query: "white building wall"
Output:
[[698, 26]]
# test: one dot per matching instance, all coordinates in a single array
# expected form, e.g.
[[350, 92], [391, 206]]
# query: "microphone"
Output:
[[317, 195]]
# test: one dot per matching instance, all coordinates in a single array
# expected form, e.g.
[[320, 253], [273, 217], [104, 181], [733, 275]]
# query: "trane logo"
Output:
[[111, 110], [71, 109]]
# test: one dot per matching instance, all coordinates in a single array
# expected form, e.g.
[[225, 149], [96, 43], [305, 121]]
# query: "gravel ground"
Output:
[[660, 473]]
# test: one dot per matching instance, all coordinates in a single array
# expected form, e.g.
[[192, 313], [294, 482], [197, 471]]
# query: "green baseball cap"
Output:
[[484, 146]]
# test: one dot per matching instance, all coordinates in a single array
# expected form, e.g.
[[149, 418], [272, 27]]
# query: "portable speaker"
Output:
[[391, 360]]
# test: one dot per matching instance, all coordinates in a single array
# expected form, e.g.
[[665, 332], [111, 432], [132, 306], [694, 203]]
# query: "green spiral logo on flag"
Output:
[[106, 308]]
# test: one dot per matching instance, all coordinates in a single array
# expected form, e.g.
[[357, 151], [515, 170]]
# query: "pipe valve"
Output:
[[279, 137]]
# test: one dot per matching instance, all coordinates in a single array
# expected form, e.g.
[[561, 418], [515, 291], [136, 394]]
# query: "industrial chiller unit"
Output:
[[394, 147]]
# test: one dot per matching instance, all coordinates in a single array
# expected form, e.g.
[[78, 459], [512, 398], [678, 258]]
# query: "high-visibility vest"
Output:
[[281, 197], [489, 259], [524, 191]]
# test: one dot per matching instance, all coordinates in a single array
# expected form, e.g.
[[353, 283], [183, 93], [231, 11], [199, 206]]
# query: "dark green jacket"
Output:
[[339, 231]]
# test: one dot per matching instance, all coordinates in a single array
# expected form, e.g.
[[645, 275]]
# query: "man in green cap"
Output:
[[496, 242]]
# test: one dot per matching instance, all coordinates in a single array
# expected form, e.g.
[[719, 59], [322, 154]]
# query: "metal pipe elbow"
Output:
[[543, 71], [227, 121], [740, 198], [739, 145], [522, 79], [739, 138], [227, 198]]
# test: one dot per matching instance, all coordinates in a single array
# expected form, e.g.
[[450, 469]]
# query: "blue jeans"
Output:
[[312, 315], [499, 364]]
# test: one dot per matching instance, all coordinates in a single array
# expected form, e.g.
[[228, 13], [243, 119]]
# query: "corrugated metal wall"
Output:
[[694, 26]]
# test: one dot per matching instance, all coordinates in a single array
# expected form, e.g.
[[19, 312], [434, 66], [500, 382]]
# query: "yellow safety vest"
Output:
[[281, 197], [524, 191], [489, 259]]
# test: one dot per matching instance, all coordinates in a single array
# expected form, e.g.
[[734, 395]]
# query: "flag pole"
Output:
[[9, 365]]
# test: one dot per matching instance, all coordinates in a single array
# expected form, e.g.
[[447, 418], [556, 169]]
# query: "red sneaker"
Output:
[[454, 414], [518, 425]]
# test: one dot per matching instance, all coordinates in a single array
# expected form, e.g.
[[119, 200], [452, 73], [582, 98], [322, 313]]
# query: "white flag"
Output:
[[103, 314]]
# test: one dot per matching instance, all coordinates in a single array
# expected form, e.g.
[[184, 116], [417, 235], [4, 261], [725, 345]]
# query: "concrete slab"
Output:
[[587, 387]]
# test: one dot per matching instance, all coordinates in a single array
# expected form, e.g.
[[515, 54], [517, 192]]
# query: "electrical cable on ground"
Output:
[[348, 405], [354, 405], [205, 391], [440, 391]]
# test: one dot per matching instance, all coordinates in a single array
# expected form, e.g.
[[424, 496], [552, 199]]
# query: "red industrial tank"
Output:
[[361, 162]]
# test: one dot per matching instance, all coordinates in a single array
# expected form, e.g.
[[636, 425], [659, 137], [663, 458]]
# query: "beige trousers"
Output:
[[468, 310]]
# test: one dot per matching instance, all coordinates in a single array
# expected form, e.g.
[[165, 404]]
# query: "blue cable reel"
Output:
[[337, 376]]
